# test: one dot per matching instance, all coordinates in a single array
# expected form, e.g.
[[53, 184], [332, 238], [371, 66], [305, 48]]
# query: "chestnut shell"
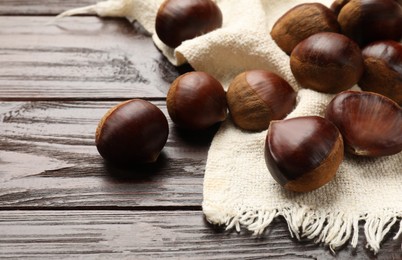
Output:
[[256, 97], [327, 62], [303, 153], [383, 69], [133, 132], [180, 20], [301, 22], [337, 6], [367, 21], [371, 124], [196, 101]]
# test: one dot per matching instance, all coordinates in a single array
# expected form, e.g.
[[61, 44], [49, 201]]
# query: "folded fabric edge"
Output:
[[333, 229]]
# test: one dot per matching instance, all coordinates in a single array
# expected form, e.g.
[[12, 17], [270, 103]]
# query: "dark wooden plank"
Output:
[[48, 159], [52, 7], [80, 58], [154, 235]]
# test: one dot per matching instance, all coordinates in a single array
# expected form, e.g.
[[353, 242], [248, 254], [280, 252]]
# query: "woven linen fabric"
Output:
[[238, 189]]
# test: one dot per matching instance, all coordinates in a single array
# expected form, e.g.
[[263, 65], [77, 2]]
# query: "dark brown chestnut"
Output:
[[132, 132], [327, 62], [196, 101], [371, 124], [256, 97], [180, 20], [367, 21], [383, 69], [301, 22], [303, 153]]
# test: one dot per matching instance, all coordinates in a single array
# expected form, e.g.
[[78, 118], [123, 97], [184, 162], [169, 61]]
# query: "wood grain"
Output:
[[80, 58], [48, 159], [41, 7], [58, 199], [153, 235]]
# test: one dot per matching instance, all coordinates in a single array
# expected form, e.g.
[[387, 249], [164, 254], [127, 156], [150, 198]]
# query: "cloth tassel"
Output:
[[331, 229]]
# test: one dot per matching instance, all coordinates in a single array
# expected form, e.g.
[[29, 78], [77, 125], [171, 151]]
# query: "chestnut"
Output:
[[366, 21], [256, 97], [180, 20], [327, 62], [132, 132], [301, 22], [303, 153], [337, 5], [383, 69], [196, 101], [370, 123]]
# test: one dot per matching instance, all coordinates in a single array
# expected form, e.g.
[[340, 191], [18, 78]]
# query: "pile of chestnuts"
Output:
[[331, 50], [135, 132]]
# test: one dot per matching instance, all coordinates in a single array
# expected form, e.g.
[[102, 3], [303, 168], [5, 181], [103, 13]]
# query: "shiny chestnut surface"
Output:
[[196, 101], [371, 124], [301, 22], [180, 20], [327, 62], [383, 69], [132, 132], [256, 97], [303, 153], [366, 21]]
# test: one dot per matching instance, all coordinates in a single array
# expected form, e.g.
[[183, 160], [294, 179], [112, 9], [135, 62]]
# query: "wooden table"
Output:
[[58, 199]]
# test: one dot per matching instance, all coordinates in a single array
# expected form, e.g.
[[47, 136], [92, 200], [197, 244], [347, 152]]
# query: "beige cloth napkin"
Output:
[[238, 189]]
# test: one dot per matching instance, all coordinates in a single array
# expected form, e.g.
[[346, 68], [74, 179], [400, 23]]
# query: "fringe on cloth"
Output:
[[333, 229]]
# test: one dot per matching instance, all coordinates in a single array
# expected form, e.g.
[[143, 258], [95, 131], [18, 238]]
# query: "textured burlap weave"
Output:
[[238, 189]]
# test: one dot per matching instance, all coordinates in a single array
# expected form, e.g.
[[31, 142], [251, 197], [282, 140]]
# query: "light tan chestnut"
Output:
[[371, 124], [256, 97], [301, 22], [304, 153], [196, 101]]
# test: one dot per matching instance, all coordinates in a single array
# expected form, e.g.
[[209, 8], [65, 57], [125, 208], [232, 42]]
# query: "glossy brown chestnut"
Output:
[[371, 124], [133, 132], [303, 153], [327, 62], [367, 21], [383, 69], [196, 101], [256, 97], [180, 20], [301, 22]]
